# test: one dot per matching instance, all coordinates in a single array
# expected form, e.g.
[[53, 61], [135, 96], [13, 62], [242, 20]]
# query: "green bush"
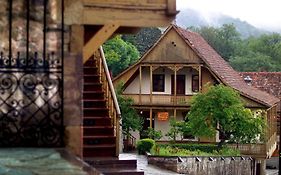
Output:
[[144, 145], [209, 148], [152, 134], [168, 150]]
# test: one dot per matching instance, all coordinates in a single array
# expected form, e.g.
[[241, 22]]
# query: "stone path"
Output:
[[144, 166]]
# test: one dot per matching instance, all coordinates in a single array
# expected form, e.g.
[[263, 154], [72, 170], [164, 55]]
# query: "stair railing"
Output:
[[110, 95]]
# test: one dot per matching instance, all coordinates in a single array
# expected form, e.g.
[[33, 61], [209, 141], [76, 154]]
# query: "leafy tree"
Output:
[[119, 54], [152, 134], [253, 62], [131, 121], [221, 110], [225, 40], [177, 128]]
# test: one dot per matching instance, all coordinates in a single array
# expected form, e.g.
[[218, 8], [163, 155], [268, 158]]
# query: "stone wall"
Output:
[[73, 66], [205, 165]]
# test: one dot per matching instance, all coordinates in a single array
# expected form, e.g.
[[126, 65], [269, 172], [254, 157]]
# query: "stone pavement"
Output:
[[148, 169], [142, 165]]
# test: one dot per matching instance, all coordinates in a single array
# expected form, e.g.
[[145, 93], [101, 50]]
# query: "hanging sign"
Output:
[[162, 116]]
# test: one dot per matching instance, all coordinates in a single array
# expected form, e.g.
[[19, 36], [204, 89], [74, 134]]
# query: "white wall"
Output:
[[133, 88]]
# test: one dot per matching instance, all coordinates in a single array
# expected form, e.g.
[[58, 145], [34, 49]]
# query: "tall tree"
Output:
[[131, 121], [221, 110], [225, 40], [120, 54]]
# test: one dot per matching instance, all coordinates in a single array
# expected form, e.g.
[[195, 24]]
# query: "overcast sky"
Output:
[[261, 13]]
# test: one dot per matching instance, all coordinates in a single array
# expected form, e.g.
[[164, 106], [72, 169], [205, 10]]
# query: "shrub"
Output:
[[152, 134], [144, 145], [194, 147]]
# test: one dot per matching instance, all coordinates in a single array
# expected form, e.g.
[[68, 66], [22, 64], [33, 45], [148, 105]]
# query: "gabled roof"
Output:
[[218, 66]]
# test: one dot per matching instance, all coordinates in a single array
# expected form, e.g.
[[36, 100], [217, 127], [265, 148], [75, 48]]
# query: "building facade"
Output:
[[178, 66]]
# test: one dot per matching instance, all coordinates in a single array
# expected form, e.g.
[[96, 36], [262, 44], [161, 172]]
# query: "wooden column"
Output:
[[151, 84], [200, 78], [175, 84], [140, 70], [150, 117], [175, 113]]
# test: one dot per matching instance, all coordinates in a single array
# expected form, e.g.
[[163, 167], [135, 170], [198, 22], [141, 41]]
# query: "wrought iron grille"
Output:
[[31, 89]]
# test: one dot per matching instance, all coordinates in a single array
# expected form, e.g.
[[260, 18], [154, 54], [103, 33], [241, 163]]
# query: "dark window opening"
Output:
[[195, 83], [158, 83]]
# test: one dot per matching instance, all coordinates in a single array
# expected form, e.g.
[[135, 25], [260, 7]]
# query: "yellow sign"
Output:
[[162, 116]]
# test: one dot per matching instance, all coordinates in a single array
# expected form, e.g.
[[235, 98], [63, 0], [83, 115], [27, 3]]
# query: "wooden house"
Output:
[[178, 66]]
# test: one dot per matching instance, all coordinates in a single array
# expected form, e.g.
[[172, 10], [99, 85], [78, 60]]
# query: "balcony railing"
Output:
[[160, 99], [263, 150], [112, 103]]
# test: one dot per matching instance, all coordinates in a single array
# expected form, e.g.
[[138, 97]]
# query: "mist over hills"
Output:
[[190, 17]]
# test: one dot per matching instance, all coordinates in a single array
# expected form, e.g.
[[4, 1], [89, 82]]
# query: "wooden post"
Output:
[[151, 84], [140, 70], [150, 117], [175, 85], [175, 113], [200, 78]]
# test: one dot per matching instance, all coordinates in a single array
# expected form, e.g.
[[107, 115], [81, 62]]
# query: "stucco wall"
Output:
[[133, 87]]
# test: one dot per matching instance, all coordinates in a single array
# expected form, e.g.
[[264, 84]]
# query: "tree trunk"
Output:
[[220, 144]]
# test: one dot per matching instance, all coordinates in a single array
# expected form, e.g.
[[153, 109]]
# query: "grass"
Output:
[[173, 150]]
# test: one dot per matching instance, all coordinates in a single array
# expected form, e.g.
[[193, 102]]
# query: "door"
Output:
[[180, 84]]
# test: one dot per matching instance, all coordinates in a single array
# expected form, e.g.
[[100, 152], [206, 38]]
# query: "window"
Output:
[[195, 83], [158, 81]]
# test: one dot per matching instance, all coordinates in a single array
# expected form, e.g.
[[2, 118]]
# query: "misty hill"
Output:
[[190, 17]]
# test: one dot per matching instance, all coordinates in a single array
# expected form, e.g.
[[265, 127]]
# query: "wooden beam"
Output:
[[171, 7], [175, 84], [150, 117], [140, 78], [151, 87], [127, 18], [200, 79], [98, 39]]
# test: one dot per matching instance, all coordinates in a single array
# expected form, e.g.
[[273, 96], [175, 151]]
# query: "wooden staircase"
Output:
[[100, 138], [98, 132]]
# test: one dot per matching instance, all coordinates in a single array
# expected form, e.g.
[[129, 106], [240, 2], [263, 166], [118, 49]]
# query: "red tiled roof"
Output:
[[223, 70]]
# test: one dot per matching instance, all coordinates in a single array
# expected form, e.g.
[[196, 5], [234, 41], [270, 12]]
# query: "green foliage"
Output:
[[131, 121], [152, 134], [262, 53], [145, 145], [144, 39], [223, 39], [177, 129], [193, 150], [119, 54], [220, 109], [253, 62]]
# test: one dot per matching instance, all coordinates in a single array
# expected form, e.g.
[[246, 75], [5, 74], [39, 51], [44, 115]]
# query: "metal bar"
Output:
[[62, 67], [10, 30], [44, 32], [27, 30]]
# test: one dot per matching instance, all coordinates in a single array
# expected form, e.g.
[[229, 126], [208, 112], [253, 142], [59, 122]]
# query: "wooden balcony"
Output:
[[160, 100], [258, 150], [130, 13]]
